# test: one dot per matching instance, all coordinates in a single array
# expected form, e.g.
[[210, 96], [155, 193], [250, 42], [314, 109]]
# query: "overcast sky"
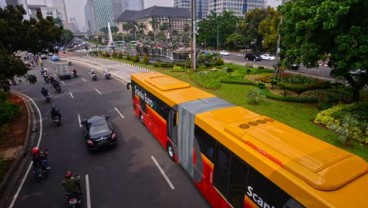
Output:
[[75, 8]]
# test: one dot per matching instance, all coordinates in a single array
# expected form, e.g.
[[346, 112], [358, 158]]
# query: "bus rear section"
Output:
[[155, 99], [251, 160]]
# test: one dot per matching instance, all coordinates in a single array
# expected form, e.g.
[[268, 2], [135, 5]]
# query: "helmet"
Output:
[[43, 88], [35, 151], [68, 174]]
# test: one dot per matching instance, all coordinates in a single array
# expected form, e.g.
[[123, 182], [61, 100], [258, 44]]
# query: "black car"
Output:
[[98, 132], [253, 57]]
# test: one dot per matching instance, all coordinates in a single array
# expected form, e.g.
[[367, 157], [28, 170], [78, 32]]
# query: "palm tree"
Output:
[[155, 25], [141, 27]]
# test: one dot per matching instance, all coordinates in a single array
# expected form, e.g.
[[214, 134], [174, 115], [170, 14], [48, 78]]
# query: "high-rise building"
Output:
[[103, 13], [90, 17], [99, 12], [239, 7], [135, 5], [254, 4], [61, 9], [201, 7]]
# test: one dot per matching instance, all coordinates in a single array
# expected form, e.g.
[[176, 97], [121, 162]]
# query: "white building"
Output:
[[239, 7], [201, 7]]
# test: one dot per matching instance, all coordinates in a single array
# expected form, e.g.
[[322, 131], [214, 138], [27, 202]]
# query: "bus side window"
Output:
[[268, 192], [221, 170], [206, 142]]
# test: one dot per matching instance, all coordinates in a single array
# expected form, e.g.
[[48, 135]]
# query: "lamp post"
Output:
[[193, 45]]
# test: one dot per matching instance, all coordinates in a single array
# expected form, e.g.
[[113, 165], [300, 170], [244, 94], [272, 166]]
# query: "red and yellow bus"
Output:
[[238, 158]]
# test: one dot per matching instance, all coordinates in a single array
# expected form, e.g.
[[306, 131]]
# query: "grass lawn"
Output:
[[296, 115]]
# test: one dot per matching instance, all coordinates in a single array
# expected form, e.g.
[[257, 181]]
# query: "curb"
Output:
[[12, 178]]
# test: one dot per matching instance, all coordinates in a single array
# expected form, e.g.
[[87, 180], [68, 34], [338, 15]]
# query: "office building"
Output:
[[239, 7], [176, 17], [201, 7]]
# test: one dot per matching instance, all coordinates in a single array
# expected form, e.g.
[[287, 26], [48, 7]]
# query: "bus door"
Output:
[[172, 130]]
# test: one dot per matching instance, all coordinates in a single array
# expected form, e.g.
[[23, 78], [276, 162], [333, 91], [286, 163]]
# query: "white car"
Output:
[[268, 57], [224, 53]]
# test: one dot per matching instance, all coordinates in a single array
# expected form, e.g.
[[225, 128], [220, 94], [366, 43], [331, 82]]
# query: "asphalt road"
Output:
[[321, 71], [123, 176]]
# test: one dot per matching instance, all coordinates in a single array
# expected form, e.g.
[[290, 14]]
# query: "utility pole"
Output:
[[278, 71], [193, 46]]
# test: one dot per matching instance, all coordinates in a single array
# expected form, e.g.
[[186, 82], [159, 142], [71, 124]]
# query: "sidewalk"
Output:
[[10, 183]]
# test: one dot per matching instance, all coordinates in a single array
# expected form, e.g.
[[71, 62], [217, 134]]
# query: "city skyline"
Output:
[[74, 8]]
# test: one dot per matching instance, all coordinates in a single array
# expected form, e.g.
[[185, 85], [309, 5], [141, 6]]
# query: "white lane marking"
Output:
[[163, 173], [84, 80], [98, 91], [88, 194], [71, 95], [79, 121], [38, 144], [121, 115], [63, 82]]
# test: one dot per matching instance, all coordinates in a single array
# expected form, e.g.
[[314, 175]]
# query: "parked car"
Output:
[[268, 57], [253, 57], [224, 53], [98, 132]]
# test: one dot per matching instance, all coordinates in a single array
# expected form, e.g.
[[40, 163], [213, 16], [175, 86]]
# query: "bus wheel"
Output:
[[170, 151]]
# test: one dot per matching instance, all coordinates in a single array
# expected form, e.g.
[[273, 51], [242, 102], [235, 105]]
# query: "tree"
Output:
[[339, 29], [248, 27], [155, 25], [141, 28], [66, 36], [216, 28], [105, 30], [268, 29], [32, 35]]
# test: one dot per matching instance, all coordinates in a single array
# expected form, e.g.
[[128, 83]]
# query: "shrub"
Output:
[[120, 56], [145, 59], [114, 54], [256, 96], [136, 58], [178, 69], [128, 57], [7, 112], [157, 64]]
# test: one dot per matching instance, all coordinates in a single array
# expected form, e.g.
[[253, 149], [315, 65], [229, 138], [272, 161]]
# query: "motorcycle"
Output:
[[47, 98], [107, 75], [57, 120], [46, 78], [94, 76], [74, 199], [57, 86], [41, 172]]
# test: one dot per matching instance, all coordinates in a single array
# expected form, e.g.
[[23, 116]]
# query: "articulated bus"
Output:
[[238, 158]]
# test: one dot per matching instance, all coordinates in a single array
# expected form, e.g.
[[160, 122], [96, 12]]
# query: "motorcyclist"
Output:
[[39, 158], [55, 83], [74, 72], [44, 92], [52, 79], [55, 112], [106, 73], [72, 183]]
